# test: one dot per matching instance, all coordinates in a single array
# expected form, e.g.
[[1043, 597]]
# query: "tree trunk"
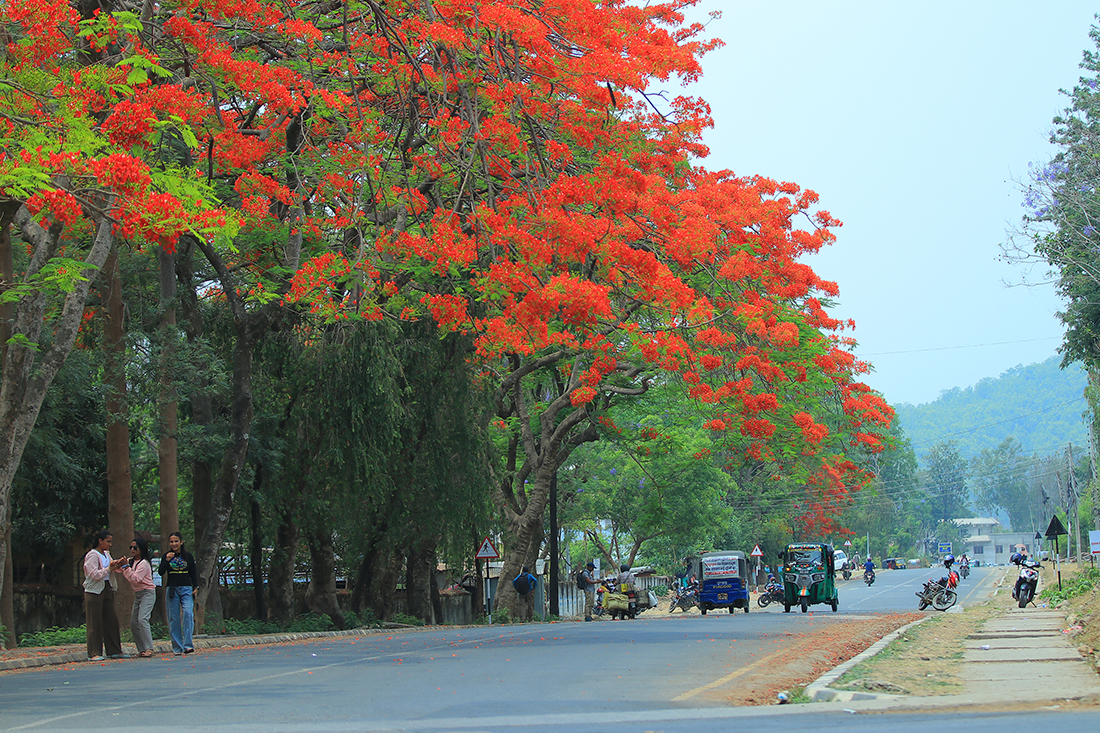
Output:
[[27, 372], [419, 573], [255, 557], [281, 574], [167, 448], [7, 597], [321, 593], [7, 278], [120, 505]]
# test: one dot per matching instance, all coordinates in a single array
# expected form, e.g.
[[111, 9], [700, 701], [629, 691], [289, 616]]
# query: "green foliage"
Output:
[[54, 636], [307, 622], [501, 616], [1081, 583], [404, 618], [1038, 405]]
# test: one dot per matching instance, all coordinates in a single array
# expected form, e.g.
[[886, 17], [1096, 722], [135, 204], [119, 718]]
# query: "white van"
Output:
[[839, 558]]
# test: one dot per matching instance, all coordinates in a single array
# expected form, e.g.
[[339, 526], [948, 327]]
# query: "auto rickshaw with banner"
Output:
[[808, 570], [723, 580]]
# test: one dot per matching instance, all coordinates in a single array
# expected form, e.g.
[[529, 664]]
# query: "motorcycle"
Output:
[[869, 577], [773, 593], [940, 594], [846, 572], [964, 571], [684, 598], [1028, 582]]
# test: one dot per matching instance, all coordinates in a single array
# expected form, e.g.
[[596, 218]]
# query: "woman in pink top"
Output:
[[139, 571]]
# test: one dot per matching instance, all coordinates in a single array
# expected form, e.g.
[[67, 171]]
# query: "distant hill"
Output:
[[1040, 405]]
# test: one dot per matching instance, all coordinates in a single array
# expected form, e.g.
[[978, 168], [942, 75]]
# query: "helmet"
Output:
[[1016, 558], [948, 559], [624, 567]]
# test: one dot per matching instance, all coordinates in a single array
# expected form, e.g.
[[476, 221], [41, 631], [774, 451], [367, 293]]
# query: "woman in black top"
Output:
[[180, 573]]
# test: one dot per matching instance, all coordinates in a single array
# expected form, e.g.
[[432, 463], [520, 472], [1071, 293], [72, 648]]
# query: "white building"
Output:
[[989, 546]]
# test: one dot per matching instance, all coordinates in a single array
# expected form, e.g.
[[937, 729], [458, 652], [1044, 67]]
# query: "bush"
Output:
[[660, 590], [1079, 584], [365, 619], [501, 616], [404, 618], [54, 636]]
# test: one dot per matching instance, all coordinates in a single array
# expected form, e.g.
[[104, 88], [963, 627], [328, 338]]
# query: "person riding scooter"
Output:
[[869, 571]]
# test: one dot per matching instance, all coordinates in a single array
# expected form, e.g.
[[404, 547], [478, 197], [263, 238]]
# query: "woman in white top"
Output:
[[139, 571], [100, 584]]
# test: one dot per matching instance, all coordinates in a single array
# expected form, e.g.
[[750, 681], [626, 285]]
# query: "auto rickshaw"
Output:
[[808, 569], [724, 580]]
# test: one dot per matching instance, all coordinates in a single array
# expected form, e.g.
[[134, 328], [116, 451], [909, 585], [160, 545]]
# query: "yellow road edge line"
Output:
[[723, 680]]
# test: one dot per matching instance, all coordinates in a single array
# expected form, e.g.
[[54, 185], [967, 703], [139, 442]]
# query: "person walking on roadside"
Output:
[[180, 578], [139, 572], [525, 584], [100, 585], [589, 590]]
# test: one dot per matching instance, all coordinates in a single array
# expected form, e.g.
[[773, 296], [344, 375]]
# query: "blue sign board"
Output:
[[944, 548]]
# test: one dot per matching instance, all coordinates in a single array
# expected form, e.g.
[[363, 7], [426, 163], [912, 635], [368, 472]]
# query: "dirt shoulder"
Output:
[[821, 646]]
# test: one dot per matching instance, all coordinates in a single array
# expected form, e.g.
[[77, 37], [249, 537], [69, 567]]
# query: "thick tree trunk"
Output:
[[167, 449], [321, 593], [7, 278], [377, 581], [418, 599], [280, 576], [120, 506], [27, 372]]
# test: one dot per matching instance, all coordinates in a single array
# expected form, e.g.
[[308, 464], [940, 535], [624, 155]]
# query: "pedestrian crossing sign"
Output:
[[487, 551]]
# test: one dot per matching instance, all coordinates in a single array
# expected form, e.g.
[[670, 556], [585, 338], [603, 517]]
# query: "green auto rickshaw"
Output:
[[807, 570]]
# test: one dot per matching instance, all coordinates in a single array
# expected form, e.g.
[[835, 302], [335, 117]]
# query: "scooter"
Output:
[[869, 577], [1028, 582], [964, 571], [846, 571]]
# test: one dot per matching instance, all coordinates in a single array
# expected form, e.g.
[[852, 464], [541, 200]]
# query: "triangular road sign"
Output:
[[756, 552], [1055, 527], [487, 551]]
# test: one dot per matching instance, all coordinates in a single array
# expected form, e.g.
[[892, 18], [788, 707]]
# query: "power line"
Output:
[[967, 346]]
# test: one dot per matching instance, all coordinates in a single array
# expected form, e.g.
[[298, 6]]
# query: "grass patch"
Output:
[[925, 660], [1078, 584]]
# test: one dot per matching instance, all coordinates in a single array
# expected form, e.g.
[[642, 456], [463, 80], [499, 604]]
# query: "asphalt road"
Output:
[[637, 675]]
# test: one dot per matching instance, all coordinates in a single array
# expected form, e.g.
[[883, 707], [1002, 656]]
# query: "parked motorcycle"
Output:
[[773, 593], [1028, 582], [684, 598], [940, 594]]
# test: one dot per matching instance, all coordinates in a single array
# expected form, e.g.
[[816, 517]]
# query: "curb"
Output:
[[819, 690], [165, 647]]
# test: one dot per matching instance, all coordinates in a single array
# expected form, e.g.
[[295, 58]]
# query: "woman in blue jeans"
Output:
[[179, 573]]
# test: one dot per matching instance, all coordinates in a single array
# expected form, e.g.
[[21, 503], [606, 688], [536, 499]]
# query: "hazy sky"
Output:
[[914, 122]]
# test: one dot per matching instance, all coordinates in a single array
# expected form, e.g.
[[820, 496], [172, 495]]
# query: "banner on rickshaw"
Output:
[[720, 567]]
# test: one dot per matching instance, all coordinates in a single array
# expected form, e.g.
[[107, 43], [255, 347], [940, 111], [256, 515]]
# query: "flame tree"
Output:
[[517, 171]]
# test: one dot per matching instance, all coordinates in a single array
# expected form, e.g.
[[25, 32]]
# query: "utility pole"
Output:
[[1075, 493]]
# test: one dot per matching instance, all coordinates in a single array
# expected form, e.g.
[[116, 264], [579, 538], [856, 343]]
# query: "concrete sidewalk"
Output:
[[41, 657], [1019, 656]]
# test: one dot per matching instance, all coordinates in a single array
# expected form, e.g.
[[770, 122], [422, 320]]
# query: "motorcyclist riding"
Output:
[[869, 569]]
